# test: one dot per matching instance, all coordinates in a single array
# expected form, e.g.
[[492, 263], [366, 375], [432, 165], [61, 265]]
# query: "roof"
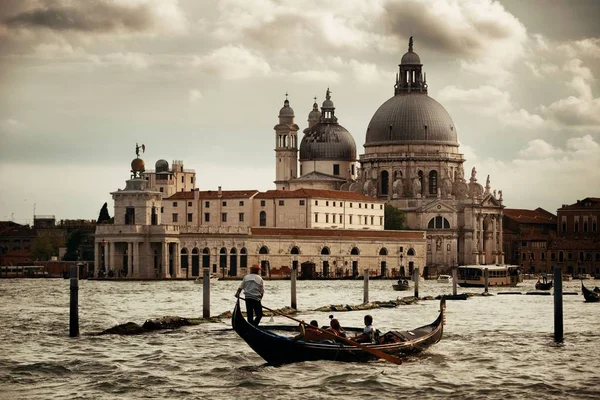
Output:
[[574, 244], [315, 193], [537, 216], [213, 194], [337, 233], [319, 176], [327, 141], [585, 204]]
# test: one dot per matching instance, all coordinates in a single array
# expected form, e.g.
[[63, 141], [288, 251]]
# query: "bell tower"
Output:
[[286, 147], [411, 78]]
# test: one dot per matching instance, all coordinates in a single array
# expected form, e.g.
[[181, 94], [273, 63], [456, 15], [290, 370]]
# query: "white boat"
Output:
[[583, 276], [444, 278], [498, 275]]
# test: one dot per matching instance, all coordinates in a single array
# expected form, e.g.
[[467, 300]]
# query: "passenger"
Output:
[[368, 334], [311, 332], [335, 328]]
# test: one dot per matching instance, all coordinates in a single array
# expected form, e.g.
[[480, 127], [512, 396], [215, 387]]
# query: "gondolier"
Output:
[[254, 289]]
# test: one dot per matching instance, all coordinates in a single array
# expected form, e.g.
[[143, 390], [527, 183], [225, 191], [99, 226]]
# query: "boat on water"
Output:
[[444, 278], [539, 285], [200, 279], [278, 349], [583, 276], [401, 285], [498, 275], [23, 271], [591, 296]]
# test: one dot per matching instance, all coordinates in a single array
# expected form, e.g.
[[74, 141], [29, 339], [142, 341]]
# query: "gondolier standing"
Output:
[[254, 289]]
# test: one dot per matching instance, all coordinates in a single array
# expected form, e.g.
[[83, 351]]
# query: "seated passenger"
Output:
[[368, 334], [335, 328], [309, 332]]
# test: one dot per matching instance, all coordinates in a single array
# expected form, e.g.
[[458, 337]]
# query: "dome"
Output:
[[315, 114], [327, 141], [413, 117], [162, 166], [286, 110], [410, 58], [137, 165]]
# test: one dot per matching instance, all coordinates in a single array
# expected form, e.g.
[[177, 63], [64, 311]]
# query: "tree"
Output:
[[394, 218], [42, 249], [75, 240], [104, 216]]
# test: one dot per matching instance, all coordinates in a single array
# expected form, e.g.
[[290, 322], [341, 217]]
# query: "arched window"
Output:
[[206, 258], [569, 256], [325, 251], [243, 258], [411, 252], [184, 258], [295, 250], [581, 256], [195, 262], [383, 252], [263, 218], [354, 251], [433, 182], [576, 226], [564, 226], [233, 262], [438, 223], [223, 258], [552, 256], [585, 226], [263, 250], [561, 256], [384, 183], [597, 256]]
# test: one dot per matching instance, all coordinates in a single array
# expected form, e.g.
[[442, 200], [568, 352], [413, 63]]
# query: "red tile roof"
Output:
[[338, 233], [315, 193], [537, 216], [214, 194], [581, 204]]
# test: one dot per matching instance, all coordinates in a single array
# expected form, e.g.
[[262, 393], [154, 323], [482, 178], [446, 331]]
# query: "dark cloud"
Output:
[[98, 16]]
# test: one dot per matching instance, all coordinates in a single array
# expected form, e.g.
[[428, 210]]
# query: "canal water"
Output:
[[498, 347]]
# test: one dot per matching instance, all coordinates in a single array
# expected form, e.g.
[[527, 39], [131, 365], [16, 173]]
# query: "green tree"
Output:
[[104, 216], [42, 249], [75, 240], [394, 218]]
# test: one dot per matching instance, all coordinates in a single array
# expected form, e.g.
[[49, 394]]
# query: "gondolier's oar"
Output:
[[378, 353]]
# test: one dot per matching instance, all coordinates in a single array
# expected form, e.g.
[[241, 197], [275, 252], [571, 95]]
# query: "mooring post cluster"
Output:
[[74, 303], [416, 281]]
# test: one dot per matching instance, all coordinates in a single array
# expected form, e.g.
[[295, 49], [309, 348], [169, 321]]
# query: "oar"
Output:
[[375, 352]]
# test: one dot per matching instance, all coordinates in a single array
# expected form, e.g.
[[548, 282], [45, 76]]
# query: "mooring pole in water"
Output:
[[74, 309], [293, 280], [366, 287], [558, 305], [454, 280], [486, 278], [205, 294], [416, 281]]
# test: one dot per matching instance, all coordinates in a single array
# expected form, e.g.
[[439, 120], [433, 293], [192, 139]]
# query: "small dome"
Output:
[[286, 110], [410, 58], [162, 166], [137, 165], [315, 114], [327, 141]]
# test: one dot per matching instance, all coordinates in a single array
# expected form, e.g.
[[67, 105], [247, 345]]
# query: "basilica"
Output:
[[326, 214]]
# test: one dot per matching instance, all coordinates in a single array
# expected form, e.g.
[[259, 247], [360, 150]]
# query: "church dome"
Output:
[[137, 165], [411, 118], [162, 166], [327, 141], [315, 114], [410, 58], [286, 110]]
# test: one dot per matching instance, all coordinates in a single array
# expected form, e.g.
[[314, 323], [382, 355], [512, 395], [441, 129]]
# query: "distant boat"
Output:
[[401, 285], [583, 276], [213, 278], [591, 296], [444, 278], [499, 275], [543, 286]]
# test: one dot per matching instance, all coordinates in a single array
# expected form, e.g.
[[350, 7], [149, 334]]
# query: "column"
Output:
[[112, 254], [481, 239], [165, 260], [97, 258], [130, 258], [135, 269], [495, 237], [177, 261], [501, 241]]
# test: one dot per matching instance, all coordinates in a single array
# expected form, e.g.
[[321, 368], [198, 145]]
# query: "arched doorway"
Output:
[[125, 268], [243, 258], [324, 253], [264, 263], [233, 262], [354, 253], [383, 265], [195, 262], [157, 268], [184, 261], [384, 183], [223, 260], [206, 258]]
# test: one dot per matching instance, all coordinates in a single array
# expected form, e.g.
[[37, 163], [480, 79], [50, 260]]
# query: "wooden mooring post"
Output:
[[454, 280], [74, 308], [294, 304], [366, 287], [558, 305], [486, 279], [416, 281], [206, 294]]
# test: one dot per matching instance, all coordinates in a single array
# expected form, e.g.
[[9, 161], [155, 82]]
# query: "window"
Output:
[[350, 205], [564, 227], [241, 204], [569, 256], [327, 203], [281, 202], [192, 180], [263, 218], [523, 244], [316, 202], [336, 169], [174, 204], [316, 217], [380, 220], [359, 205], [334, 203], [189, 203], [207, 204], [160, 190], [524, 256], [129, 217], [576, 226], [350, 219], [175, 217], [301, 202], [224, 204], [372, 206], [384, 183], [594, 226], [262, 203], [327, 218], [206, 217], [543, 256], [223, 217], [190, 217], [585, 226], [365, 220], [561, 256], [241, 217], [162, 210], [352, 169], [381, 206], [433, 182], [532, 256], [438, 222], [372, 218], [182, 179]]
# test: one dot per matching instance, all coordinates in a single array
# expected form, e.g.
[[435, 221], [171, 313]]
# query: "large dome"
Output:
[[327, 141], [414, 118]]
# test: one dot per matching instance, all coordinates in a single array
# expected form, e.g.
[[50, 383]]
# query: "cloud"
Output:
[[136, 61], [233, 62], [99, 16], [574, 111], [194, 95], [324, 76]]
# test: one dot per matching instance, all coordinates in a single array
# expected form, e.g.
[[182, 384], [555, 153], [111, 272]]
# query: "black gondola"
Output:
[[401, 285], [276, 349], [592, 296], [543, 286]]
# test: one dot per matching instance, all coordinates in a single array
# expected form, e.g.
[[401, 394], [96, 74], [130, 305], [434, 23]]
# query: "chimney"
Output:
[[220, 192]]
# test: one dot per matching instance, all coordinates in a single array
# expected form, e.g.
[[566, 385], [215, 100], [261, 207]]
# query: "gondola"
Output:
[[591, 296], [543, 286], [401, 285], [276, 349]]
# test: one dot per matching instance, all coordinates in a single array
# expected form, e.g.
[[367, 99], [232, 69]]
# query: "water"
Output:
[[498, 347]]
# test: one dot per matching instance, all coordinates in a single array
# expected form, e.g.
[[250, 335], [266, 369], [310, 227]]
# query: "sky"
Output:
[[81, 82]]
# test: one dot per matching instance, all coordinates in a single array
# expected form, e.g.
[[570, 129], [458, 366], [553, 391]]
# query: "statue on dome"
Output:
[[410, 44], [474, 174], [500, 195], [137, 149]]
